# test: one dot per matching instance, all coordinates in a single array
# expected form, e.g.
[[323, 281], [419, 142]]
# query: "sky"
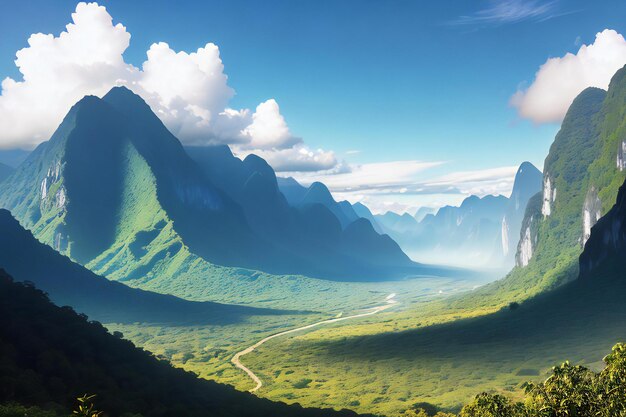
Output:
[[398, 104]]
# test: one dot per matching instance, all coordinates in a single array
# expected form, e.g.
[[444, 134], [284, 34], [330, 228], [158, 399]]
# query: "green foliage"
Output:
[[18, 410], [86, 407], [569, 391], [49, 354], [491, 405]]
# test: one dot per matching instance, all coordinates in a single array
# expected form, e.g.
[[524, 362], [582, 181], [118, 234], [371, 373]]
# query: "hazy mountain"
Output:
[[114, 190], [55, 355], [363, 211], [317, 193], [527, 183], [397, 223], [5, 171], [67, 283], [480, 232], [13, 157], [423, 212]]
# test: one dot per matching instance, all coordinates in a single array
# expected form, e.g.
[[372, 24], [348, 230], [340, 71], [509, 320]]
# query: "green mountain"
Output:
[[582, 175], [52, 355], [114, 190], [68, 283]]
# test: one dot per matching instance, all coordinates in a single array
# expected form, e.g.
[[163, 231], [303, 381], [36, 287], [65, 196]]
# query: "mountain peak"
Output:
[[129, 103]]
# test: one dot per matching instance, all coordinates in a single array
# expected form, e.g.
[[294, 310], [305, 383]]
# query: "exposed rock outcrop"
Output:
[[621, 151], [607, 239], [592, 211], [549, 195]]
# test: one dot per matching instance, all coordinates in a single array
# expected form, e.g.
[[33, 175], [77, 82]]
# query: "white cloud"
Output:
[[59, 71], [268, 129], [510, 11], [188, 91], [403, 186], [560, 80], [298, 158], [496, 181]]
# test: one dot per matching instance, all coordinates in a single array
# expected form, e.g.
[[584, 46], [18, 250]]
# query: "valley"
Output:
[[434, 233]]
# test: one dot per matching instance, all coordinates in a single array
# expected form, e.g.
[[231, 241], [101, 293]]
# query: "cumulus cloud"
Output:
[[559, 80], [268, 129], [299, 158], [188, 91], [58, 71]]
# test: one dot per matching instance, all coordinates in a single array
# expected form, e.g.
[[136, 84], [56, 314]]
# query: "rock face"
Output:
[[528, 233], [527, 183], [607, 240], [592, 211], [549, 195], [621, 152]]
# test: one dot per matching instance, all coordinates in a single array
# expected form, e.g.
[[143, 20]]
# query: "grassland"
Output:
[[387, 363], [207, 350]]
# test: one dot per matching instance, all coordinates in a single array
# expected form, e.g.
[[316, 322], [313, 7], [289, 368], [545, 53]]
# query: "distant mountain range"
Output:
[[480, 232], [114, 190]]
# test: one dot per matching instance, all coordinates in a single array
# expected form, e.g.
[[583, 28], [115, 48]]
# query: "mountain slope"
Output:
[[51, 355], [363, 211], [116, 191], [309, 225], [582, 174], [5, 171], [526, 184], [67, 283]]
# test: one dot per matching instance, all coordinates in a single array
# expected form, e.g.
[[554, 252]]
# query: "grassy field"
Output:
[[389, 362], [207, 350]]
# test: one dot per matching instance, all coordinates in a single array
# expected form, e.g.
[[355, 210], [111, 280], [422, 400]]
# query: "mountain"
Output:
[[13, 157], [606, 247], [423, 212], [480, 232], [317, 193], [581, 178], [114, 190], [52, 355], [67, 283], [5, 171], [397, 223], [527, 183], [364, 212]]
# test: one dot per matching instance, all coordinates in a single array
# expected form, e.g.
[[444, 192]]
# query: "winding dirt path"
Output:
[[236, 360]]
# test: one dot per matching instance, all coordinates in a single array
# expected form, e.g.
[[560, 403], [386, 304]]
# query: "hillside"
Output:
[[68, 283], [582, 174], [5, 171], [52, 355]]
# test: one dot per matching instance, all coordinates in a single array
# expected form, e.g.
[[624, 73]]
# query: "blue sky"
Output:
[[371, 81]]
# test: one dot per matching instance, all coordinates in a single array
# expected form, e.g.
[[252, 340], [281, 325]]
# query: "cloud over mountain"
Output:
[[188, 90], [559, 80]]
